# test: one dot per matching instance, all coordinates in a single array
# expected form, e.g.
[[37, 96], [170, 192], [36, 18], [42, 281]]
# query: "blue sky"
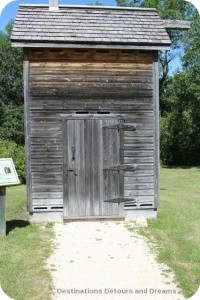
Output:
[[10, 12]]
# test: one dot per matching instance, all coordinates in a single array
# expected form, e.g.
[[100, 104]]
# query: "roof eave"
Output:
[[89, 46]]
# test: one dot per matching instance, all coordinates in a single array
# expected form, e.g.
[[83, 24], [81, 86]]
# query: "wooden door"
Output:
[[91, 149]]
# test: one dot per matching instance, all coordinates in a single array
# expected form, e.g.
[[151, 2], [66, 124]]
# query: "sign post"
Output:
[[8, 176], [2, 210]]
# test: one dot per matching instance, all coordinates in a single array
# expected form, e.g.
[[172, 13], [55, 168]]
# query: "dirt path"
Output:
[[103, 260]]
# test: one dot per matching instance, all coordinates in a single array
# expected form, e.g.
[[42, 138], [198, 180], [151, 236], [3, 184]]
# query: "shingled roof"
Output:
[[90, 26]]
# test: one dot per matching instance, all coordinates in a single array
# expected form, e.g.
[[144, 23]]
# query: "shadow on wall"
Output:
[[11, 225]]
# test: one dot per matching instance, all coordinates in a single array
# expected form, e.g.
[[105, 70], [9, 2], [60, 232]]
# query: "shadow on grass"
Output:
[[11, 225], [180, 167]]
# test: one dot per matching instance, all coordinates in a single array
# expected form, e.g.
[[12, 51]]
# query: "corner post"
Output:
[[27, 128], [156, 128]]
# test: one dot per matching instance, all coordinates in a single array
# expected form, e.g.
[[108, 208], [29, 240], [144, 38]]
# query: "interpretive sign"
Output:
[[8, 174]]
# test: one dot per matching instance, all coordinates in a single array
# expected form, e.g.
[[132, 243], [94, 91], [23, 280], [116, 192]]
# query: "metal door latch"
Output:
[[72, 170]]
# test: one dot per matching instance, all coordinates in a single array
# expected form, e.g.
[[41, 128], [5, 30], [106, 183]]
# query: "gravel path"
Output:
[[103, 260]]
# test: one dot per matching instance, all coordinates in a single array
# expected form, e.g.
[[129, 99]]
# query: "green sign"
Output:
[[8, 174]]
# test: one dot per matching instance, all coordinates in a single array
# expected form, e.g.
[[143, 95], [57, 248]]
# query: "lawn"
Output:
[[23, 252], [177, 230]]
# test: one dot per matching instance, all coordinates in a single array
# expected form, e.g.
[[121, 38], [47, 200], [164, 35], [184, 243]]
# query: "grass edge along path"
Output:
[[176, 233], [23, 252]]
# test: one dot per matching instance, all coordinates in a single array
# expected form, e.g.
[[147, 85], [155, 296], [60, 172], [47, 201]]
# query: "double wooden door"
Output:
[[93, 167]]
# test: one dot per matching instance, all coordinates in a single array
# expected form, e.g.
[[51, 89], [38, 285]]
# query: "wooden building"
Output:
[[92, 110]]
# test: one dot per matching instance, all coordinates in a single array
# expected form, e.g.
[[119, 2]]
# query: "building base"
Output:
[[134, 214], [57, 216], [46, 216]]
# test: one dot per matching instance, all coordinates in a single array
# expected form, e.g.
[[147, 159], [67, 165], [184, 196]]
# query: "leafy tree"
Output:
[[11, 89], [180, 129], [191, 58], [12, 123], [11, 70], [167, 9]]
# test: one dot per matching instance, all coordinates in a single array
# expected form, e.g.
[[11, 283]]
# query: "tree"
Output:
[[191, 58], [11, 89], [12, 123], [167, 9], [11, 70], [180, 129]]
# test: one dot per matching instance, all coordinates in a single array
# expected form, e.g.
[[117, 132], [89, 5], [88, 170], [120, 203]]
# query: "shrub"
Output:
[[12, 123], [17, 153]]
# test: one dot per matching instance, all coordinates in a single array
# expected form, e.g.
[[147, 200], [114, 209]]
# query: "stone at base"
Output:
[[55, 216], [134, 214]]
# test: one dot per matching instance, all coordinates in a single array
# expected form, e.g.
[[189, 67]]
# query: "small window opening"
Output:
[[40, 208], [57, 207]]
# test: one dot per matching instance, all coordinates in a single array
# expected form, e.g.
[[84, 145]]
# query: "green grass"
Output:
[[25, 248], [23, 275], [177, 229]]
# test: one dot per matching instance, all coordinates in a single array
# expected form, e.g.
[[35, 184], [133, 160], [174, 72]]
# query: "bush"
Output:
[[17, 153], [12, 123]]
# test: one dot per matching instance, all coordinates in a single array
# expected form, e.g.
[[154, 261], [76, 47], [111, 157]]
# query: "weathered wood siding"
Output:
[[64, 81]]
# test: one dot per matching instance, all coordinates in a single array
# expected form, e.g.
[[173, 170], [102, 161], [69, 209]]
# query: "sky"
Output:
[[10, 11]]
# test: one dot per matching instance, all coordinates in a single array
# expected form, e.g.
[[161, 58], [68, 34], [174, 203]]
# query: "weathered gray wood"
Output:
[[111, 144], [177, 24], [2, 211], [64, 86], [27, 131], [82, 46], [84, 193], [65, 174], [156, 130], [120, 200], [121, 168], [121, 127]]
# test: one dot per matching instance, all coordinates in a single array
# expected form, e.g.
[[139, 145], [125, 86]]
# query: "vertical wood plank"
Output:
[[156, 128], [65, 166], [88, 165], [81, 169], [78, 166], [96, 148], [121, 162], [101, 165], [111, 147], [71, 164], [27, 131]]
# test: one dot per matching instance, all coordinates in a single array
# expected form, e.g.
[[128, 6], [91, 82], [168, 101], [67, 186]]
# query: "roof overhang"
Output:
[[89, 46], [176, 24]]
